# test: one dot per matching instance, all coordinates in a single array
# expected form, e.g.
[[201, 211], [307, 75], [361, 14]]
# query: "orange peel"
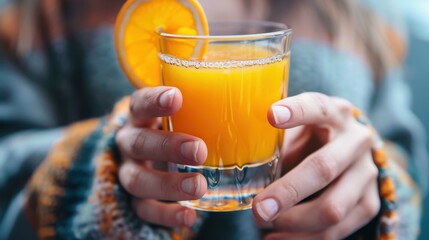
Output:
[[136, 35]]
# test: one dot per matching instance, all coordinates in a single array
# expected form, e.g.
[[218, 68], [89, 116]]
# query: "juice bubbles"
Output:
[[225, 102]]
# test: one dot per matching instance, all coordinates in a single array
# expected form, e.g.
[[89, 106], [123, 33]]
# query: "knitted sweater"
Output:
[[75, 193]]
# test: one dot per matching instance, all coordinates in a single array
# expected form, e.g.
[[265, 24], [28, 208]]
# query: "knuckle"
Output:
[[325, 166], [133, 182], [346, 111], [322, 103], [333, 212], [298, 109], [345, 106], [297, 106], [141, 101], [301, 111], [372, 170], [291, 192], [371, 206], [363, 136], [363, 133], [165, 144], [367, 134], [138, 141]]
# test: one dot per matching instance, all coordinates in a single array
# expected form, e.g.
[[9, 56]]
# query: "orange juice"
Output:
[[225, 102]]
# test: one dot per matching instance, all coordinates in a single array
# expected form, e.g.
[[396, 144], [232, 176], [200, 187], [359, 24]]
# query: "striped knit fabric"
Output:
[[75, 194]]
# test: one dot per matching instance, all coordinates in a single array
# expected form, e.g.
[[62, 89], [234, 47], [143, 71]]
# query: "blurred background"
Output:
[[417, 70]]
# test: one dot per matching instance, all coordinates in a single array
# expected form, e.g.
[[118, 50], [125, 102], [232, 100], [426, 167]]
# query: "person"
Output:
[[101, 178]]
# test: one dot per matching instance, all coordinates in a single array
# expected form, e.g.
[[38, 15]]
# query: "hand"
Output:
[[333, 191], [143, 147]]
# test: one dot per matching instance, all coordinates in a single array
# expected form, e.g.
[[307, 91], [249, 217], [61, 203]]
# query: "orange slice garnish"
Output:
[[136, 35]]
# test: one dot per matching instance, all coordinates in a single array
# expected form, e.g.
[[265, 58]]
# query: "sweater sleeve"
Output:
[[76, 194], [392, 117], [27, 131]]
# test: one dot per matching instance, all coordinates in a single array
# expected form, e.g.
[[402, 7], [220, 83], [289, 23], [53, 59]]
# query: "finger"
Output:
[[157, 145], [362, 214], [144, 182], [334, 204], [312, 174], [309, 108], [165, 214], [299, 143], [365, 211], [151, 102], [292, 151]]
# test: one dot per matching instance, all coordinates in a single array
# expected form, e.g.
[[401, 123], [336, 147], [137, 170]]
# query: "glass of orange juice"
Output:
[[228, 84]]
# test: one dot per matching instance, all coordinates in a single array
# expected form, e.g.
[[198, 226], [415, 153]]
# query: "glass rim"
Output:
[[280, 30]]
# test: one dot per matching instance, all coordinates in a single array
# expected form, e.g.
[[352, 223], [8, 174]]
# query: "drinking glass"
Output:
[[228, 80]]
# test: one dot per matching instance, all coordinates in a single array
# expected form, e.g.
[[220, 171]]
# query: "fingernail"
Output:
[[190, 186], [182, 217], [281, 114], [166, 98], [189, 150], [267, 209]]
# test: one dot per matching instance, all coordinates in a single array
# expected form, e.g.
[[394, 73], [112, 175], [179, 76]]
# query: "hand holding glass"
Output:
[[228, 85]]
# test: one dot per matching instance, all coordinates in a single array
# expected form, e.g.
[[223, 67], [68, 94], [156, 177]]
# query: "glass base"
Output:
[[231, 189]]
